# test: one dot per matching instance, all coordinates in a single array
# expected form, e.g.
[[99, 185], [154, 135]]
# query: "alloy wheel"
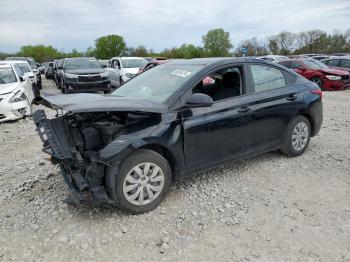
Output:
[[143, 184], [300, 136]]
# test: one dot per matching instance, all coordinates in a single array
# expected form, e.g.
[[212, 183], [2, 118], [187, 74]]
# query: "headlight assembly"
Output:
[[333, 77], [19, 96], [71, 75]]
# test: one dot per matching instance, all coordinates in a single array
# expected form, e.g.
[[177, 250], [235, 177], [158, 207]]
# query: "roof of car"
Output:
[[16, 62], [213, 60], [3, 65], [78, 58]]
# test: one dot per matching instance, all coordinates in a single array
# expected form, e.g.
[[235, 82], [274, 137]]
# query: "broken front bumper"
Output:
[[84, 180]]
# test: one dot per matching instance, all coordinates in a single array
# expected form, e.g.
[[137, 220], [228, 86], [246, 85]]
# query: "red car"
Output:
[[319, 73]]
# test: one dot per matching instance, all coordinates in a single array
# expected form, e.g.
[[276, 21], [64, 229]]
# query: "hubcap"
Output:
[[143, 184], [300, 136]]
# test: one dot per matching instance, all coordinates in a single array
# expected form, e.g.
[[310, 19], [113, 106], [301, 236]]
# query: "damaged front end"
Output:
[[73, 141]]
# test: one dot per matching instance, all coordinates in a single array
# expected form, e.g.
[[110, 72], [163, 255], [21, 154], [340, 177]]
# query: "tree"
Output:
[[141, 51], [285, 40], [255, 47], [217, 42], [109, 46], [90, 51], [273, 45], [40, 53]]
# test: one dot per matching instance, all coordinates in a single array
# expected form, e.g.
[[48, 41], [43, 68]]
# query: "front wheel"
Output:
[[297, 137], [318, 81], [141, 182]]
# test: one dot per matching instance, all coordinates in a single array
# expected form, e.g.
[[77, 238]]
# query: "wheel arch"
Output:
[[167, 154]]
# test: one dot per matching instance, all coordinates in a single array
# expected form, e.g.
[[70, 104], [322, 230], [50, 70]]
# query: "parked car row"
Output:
[[16, 90]]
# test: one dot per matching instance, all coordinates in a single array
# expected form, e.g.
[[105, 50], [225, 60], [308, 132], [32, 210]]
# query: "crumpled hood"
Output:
[[85, 102], [92, 71], [335, 72], [8, 88]]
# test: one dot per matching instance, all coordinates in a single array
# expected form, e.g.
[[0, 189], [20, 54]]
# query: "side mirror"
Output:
[[104, 66], [199, 100], [35, 71], [22, 78]]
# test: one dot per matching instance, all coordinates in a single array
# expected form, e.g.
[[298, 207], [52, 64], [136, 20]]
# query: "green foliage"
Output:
[[109, 46], [217, 42], [186, 51], [40, 53], [3, 56], [140, 51]]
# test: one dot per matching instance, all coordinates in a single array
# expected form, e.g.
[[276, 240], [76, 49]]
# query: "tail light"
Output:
[[317, 92]]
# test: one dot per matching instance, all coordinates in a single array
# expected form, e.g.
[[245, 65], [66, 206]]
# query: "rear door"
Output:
[[275, 100]]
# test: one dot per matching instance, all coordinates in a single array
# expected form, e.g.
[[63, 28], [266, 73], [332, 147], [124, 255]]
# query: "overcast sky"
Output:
[[157, 24]]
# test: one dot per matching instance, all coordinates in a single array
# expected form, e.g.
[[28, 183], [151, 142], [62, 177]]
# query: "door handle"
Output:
[[292, 97], [244, 109]]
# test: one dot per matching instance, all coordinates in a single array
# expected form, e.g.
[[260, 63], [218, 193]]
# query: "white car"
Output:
[[25, 68], [122, 69], [274, 58], [16, 93]]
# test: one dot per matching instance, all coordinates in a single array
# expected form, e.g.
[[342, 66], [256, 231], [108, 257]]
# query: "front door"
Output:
[[222, 131]]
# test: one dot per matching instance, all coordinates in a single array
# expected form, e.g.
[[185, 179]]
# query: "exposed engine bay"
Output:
[[74, 140]]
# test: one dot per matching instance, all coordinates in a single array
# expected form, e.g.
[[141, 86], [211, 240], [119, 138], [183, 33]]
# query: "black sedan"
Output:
[[126, 148]]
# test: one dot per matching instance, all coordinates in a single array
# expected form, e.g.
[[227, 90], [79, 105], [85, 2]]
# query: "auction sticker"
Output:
[[182, 73]]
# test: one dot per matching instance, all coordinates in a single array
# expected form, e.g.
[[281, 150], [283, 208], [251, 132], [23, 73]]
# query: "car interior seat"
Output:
[[230, 86]]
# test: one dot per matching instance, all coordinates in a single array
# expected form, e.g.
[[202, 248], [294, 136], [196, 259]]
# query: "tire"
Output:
[[297, 137], [63, 87], [128, 182], [318, 81]]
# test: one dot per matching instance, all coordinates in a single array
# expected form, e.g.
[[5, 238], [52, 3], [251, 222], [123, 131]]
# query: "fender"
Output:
[[169, 138]]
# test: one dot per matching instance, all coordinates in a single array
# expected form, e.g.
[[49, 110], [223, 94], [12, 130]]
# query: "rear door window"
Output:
[[267, 77]]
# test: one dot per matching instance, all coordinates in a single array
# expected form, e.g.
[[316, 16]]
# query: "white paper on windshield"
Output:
[[182, 73]]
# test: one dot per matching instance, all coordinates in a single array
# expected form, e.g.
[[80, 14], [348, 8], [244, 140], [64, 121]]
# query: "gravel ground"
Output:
[[268, 208]]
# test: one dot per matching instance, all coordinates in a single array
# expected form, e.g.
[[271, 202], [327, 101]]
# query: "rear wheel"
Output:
[[297, 137], [318, 81], [141, 182]]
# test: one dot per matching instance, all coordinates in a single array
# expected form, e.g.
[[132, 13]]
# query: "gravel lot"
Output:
[[268, 208]]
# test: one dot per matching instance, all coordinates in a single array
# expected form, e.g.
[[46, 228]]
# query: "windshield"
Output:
[[159, 83], [133, 63], [82, 64], [314, 64], [24, 67], [7, 76]]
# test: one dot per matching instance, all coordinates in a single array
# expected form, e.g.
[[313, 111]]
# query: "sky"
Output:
[[159, 24]]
